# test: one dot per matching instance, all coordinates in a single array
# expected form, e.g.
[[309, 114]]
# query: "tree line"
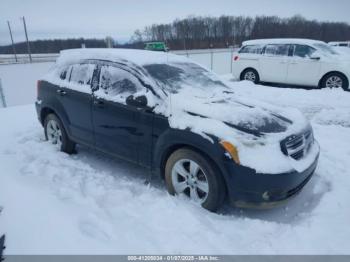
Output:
[[198, 32], [52, 46], [224, 31]]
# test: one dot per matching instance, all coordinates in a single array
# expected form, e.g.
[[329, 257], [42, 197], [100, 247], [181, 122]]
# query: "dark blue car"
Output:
[[179, 121]]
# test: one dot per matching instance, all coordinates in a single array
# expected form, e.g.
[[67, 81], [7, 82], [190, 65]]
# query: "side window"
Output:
[[251, 49], [117, 84], [343, 44], [63, 74], [303, 51], [277, 50], [82, 74]]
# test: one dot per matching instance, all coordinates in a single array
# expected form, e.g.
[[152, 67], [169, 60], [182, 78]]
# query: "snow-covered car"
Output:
[[340, 44], [301, 62], [180, 121]]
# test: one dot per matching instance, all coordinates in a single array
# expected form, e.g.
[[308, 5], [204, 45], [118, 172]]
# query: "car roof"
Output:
[[135, 56], [281, 41], [340, 42]]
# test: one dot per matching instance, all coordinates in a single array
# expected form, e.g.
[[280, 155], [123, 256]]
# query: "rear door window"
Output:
[[117, 84], [277, 50], [82, 74]]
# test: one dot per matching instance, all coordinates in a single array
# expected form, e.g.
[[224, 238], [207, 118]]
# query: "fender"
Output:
[[51, 102], [172, 139]]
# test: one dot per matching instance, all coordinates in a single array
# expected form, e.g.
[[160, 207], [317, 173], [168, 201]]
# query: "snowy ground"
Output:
[[93, 204]]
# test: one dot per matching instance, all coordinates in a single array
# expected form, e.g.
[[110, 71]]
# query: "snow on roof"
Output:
[[136, 56], [281, 41]]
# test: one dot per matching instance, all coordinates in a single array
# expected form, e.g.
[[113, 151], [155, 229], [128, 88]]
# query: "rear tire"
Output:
[[250, 75], [190, 173], [335, 80], [57, 135]]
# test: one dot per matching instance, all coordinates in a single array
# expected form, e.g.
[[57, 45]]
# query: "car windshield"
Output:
[[173, 77], [326, 49]]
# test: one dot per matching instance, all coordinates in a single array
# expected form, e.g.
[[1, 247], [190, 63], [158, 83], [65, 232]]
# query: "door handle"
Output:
[[61, 92], [99, 103]]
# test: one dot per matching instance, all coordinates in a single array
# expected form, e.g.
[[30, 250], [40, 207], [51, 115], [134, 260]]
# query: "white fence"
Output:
[[218, 60]]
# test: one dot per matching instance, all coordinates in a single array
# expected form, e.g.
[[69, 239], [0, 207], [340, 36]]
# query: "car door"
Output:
[[119, 128], [76, 99], [274, 63], [302, 69]]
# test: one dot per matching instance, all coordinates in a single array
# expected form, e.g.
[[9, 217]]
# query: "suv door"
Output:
[[274, 63], [76, 100], [302, 69], [120, 129]]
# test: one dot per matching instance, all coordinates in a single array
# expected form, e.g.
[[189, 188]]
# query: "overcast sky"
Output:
[[120, 18]]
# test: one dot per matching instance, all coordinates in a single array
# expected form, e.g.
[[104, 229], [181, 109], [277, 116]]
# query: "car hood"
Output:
[[240, 114]]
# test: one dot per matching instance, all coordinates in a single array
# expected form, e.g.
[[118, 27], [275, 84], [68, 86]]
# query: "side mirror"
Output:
[[140, 101]]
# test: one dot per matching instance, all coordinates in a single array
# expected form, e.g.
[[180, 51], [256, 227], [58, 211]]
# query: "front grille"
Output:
[[297, 146]]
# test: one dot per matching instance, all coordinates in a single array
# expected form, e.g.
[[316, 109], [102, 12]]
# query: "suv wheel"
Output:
[[250, 75], [57, 135], [335, 80], [188, 172]]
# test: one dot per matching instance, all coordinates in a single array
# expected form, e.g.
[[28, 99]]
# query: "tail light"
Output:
[[37, 88], [236, 58]]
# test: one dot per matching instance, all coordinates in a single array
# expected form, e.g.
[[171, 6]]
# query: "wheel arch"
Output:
[[329, 73], [248, 68], [46, 110], [173, 148]]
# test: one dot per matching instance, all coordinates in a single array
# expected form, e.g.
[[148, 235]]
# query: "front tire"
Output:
[[335, 80], [188, 172], [250, 75], [57, 135]]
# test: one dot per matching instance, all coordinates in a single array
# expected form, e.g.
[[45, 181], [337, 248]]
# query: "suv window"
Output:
[[117, 83], [251, 49], [82, 74], [277, 50], [64, 73], [303, 51]]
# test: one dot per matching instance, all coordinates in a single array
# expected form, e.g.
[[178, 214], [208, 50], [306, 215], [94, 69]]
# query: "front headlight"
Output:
[[231, 150]]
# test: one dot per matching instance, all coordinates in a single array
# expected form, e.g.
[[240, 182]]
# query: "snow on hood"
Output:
[[255, 128]]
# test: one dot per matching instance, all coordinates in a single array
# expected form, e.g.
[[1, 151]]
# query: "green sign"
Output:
[[156, 46]]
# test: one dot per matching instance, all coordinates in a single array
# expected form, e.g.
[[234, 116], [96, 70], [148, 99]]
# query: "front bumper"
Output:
[[249, 189]]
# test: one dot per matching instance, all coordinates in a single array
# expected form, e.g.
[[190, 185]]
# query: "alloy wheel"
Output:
[[334, 82], [54, 133], [189, 178], [250, 76]]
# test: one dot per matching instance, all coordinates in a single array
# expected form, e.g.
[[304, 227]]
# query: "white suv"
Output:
[[340, 44], [292, 61]]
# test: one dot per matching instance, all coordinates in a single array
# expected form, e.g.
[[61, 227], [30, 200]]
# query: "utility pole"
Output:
[[28, 46], [13, 45]]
